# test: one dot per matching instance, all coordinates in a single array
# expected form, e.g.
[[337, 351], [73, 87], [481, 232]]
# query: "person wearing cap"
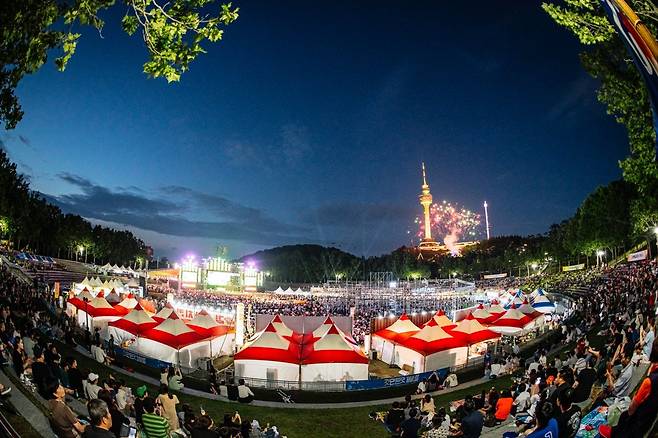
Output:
[[140, 395], [91, 386], [64, 422]]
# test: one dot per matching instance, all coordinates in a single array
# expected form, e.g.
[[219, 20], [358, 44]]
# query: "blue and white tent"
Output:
[[543, 304]]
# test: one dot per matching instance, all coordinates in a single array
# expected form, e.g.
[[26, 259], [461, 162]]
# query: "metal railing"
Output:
[[290, 385]]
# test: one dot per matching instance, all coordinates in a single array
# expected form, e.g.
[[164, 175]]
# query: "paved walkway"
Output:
[[273, 404], [26, 408]]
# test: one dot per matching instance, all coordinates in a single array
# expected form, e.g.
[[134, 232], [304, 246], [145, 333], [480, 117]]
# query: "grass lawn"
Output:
[[295, 423]]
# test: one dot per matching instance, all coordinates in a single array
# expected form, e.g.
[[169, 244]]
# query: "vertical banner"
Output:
[[56, 290]]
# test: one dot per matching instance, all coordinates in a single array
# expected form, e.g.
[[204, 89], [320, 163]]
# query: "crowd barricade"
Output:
[[292, 385]]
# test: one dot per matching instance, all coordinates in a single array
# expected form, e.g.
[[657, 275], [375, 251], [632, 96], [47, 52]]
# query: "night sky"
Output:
[[309, 122]]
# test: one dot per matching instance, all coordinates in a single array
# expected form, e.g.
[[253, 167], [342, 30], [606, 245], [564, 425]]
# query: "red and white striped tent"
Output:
[[385, 340], [113, 297], [173, 341], [164, 313], [97, 312], [78, 300], [496, 309], [527, 309], [512, 322], [136, 322], [431, 348], [442, 320], [127, 304], [333, 358], [268, 356], [221, 337], [472, 332], [483, 315]]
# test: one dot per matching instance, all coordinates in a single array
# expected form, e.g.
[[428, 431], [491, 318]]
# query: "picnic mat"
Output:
[[595, 418]]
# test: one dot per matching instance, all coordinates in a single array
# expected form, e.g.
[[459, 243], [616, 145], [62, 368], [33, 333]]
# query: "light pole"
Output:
[[599, 257], [486, 217]]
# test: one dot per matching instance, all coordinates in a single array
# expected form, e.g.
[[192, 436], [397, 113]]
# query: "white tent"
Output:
[[278, 290], [289, 290], [299, 290], [268, 356], [333, 358], [136, 322], [384, 341]]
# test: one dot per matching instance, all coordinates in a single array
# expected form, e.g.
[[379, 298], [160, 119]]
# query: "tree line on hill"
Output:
[[28, 222]]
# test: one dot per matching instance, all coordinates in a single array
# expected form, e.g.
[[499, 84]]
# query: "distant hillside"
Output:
[[306, 263]]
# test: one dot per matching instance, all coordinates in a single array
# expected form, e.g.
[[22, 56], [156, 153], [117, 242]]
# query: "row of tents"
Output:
[[116, 269], [164, 336], [441, 343], [95, 283], [323, 354], [289, 291]]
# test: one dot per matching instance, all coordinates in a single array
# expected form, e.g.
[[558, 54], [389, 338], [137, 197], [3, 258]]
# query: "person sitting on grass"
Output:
[[203, 428], [101, 420], [154, 426], [411, 425], [175, 379]]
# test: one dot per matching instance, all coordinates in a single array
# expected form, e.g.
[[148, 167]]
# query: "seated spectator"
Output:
[[245, 395], [175, 380], [411, 425], [123, 397], [223, 389], [63, 421], [568, 418], [41, 373], [546, 425], [101, 421], [118, 418], [154, 426], [427, 405], [584, 383], [394, 418], [203, 428], [91, 386], [422, 387], [522, 400], [504, 406], [472, 423], [168, 402], [141, 394], [75, 377]]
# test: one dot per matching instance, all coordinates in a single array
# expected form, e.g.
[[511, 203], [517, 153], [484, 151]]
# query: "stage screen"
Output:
[[219, 278], [189, 277]]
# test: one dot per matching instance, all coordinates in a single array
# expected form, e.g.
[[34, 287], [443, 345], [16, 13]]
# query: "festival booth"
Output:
[[474, 335], [442, 320], [483, 316], [221, 337], [164, 313], [174, 342], [333, 358], [495, 309], [131, 326], [541, 303], [431, 348], [97, 313], [384, 341], [113, 297], [513, 322], [268, 356], [127, 304]]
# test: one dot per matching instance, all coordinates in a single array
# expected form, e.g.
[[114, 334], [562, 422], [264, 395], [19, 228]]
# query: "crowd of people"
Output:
[[550, 397], [29, 337]]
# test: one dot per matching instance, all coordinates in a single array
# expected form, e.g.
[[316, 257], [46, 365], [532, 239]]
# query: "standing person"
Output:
[[584, 383], [64, 422], [141, 394], [101, 420], [168, 403], [164, 376], [245, 395]]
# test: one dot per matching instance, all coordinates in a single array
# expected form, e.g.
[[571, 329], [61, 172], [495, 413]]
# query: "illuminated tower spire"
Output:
[[426, 200]]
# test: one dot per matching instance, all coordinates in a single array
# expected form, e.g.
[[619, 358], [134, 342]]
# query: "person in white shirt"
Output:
[[646, 341], [522, 400], [124, 398], [91, 387], [244, 393], [99, 354], [223, 389]]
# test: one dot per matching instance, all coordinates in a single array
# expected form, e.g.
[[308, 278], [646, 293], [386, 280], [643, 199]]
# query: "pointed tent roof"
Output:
[[432, 339], [132, 283], [472, 331], [512, 321], [164, 313], [113, 297], [173, 332], [270, 346], [100, 307], [136, 321], [332, 348], [483, 315], [543, 304], [442, 320], [127, 304], [495, 308], [147, 305], [278, 290], [399, 330], [289, 290], [106, 266], [206, 325], [299, 290], [527, 309]]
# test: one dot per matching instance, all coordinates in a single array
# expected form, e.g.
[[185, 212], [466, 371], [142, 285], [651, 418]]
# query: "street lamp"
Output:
[[599, 257]]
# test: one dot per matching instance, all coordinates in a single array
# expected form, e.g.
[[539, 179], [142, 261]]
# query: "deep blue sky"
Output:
[[309, 121]]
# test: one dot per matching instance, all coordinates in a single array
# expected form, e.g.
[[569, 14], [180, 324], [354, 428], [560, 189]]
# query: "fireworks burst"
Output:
[[450, 219]]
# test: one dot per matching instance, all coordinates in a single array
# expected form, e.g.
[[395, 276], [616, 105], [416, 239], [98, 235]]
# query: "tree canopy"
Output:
[[173, 33]]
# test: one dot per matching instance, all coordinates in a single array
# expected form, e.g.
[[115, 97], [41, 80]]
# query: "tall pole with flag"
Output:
[[640, 43]]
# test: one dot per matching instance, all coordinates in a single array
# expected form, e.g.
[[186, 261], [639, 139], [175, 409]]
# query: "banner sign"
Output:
[[492, 276], [148, 361], [56, 290], [637, 256], [359, 385], [573, 267]]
